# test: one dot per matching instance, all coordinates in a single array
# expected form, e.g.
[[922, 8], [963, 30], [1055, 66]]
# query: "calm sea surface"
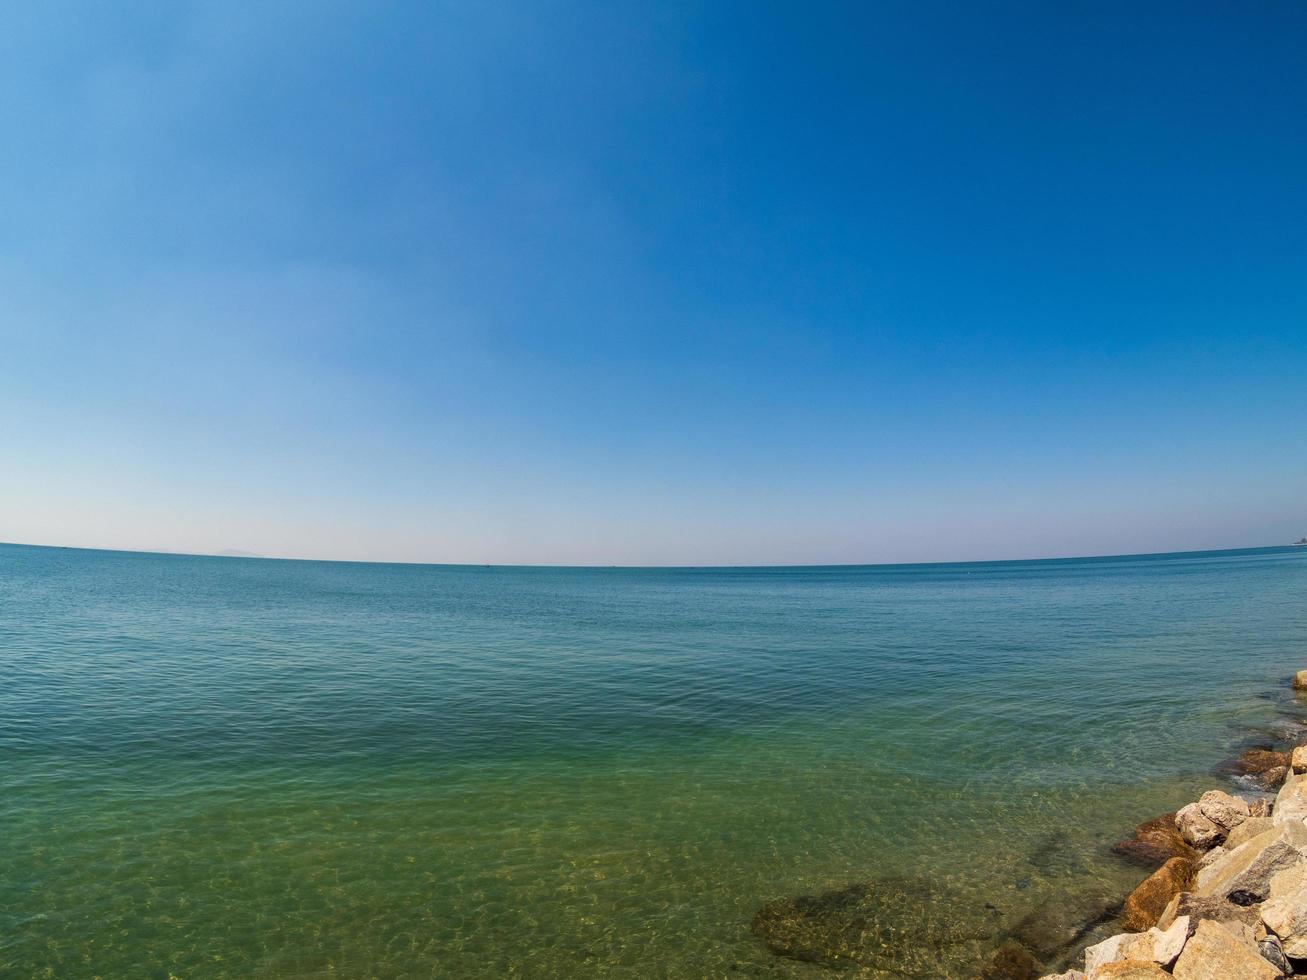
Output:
[[218, 767]]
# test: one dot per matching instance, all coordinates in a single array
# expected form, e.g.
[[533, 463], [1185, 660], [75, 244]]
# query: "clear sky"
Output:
[[654, 283]]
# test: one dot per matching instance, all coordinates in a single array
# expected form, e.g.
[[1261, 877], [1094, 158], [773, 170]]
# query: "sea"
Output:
[[241, 767]]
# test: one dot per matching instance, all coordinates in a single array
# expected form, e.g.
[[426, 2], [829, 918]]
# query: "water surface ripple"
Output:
[[223, 767]]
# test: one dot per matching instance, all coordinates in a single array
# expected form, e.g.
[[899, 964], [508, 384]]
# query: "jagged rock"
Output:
[[1011, 961], [896, 925], [1069, 975], [1244, 875], [1198, 830], [1300, 681], [1291, 801], [1273, 953], [1255, 760], [1122, 946], [1213, 953], [1285, 910], [1212, 856], [1129, 970], [1298, 759], [1197, 908], [1246, 831], [1258, 808], [1223, 809], [1167, 943], [1269, 780], [1148, 901], [1154, 843]]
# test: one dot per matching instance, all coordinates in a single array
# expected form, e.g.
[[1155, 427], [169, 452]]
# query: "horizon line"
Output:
[[250, 556]]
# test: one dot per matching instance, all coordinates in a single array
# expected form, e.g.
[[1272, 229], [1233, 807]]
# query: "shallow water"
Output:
[[234, 767]]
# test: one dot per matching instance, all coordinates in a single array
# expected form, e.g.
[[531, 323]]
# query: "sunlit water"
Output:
[[231, 767]]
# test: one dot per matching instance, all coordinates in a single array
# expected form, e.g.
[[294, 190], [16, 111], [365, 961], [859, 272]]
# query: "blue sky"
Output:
[[654, 284]]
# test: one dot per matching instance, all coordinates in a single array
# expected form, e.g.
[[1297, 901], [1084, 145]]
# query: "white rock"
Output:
[[1298, 759], [1223, 809], [1167, 943], [1197, 830], [1291, 801], [1285, 911], [1122, 946], [1245, 873]]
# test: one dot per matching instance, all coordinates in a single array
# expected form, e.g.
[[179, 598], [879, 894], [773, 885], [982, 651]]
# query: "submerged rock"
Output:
[[1011, 961], [1260, 759], [1154, 843], [1146, 903], [900, 926], [1268, 781], [1058, 928]]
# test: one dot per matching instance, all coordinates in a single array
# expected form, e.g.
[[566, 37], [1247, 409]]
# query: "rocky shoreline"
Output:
[[1226, 899], [1229, 901]]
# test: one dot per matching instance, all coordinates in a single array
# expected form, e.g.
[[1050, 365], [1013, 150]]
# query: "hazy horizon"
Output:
[[597, 284], [237, 553]]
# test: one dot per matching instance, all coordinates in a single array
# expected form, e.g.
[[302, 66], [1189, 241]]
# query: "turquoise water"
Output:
[[235, 767]]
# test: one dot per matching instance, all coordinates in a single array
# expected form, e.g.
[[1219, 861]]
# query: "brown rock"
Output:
[[1147, 902], [1154, 843], [890, 924], [1129, 970], [1300, 681], [1198, 830], [1223, 809], [1269, 780], [1011, 961], [1244, 875], [1257, 760], [1058, 926], [1213, 953], [1260, 807]]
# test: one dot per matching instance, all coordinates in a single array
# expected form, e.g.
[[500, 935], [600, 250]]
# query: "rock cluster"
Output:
[[1228, 898]]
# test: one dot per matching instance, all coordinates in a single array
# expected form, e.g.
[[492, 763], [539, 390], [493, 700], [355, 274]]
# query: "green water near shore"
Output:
[[242, 768]]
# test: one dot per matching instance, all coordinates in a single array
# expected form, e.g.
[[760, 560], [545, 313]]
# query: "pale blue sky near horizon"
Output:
[[615, 283]]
